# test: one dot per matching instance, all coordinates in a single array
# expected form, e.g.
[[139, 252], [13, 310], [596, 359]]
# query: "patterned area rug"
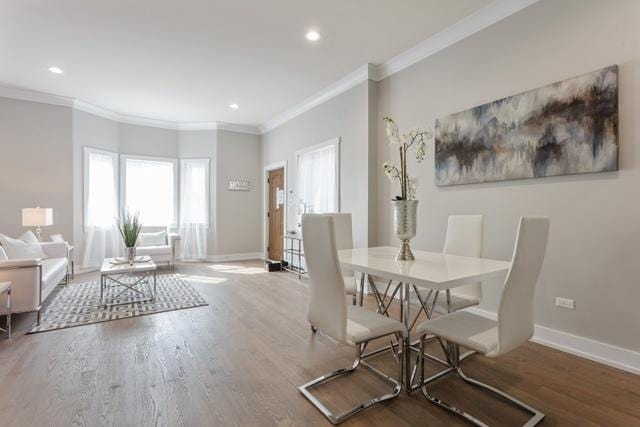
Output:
[[79, 303]]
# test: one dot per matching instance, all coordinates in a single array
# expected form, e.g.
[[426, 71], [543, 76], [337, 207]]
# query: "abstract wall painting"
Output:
[[569, 127]]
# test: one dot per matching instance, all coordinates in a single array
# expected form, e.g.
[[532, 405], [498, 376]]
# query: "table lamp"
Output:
[[37, 217]]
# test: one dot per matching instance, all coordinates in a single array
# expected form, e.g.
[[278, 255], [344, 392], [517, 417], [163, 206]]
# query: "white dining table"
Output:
[[432, 270]]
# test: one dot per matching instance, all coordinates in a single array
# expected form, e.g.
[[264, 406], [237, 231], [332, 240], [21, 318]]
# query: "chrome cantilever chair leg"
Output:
[[453, 354], [338, 418]]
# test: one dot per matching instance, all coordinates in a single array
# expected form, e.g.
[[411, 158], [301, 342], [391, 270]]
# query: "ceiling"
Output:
[[188, 60]]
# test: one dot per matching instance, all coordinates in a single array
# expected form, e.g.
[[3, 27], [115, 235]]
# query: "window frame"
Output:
[[335, 142], [176, 182], [85, 188]]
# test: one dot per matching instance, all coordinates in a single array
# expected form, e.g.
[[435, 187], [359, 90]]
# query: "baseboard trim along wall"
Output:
[[235, 257], [607, 354]]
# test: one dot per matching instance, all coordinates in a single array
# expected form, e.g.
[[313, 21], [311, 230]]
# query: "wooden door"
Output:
[[276, 213]]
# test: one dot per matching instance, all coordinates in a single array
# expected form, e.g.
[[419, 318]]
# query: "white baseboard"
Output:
[[235, 257], [607, 354]]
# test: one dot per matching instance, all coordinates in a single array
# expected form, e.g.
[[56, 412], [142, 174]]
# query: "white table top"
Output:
[[137, 267], [433, 270], [4, 286]]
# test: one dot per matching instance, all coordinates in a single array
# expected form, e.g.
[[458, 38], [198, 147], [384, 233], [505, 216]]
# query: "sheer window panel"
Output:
[[102, 239], [318, 178], [194, 207], [149, 188]]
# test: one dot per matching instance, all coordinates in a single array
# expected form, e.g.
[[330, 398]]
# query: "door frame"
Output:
[[265, 203]]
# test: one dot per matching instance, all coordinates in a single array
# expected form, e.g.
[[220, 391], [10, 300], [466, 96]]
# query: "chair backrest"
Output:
[[515, 312], [343, 230], [327, 308], [464, 237]]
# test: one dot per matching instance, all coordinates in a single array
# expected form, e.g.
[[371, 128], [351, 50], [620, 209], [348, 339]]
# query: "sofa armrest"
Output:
[[55, 249], [13, 264], [174, 242]]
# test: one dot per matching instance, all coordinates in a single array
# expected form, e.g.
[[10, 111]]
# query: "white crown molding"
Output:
[[34, 96], [607, 354], [367, 71], [233, 127], [494, 12], [96, 111], [476, 22]]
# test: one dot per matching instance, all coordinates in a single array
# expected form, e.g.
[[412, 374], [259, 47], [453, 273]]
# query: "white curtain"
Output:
[[317, 180], [102, 239], [194, 207], [150, 190]]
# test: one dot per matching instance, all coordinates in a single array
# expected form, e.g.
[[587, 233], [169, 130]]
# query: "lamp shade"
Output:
[[37, 217]]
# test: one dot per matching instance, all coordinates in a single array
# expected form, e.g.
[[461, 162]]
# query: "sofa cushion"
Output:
[[16, 248], [152, 239], [154, 250]]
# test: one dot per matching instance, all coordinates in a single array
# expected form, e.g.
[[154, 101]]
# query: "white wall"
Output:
[[347, 117], [595, 233], [35, 165]]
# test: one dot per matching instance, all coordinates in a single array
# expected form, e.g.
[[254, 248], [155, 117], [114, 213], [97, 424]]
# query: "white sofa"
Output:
[[34, 279], [168, 250]]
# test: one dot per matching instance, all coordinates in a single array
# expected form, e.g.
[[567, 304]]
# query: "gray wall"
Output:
[[35, 165], [148, 141], [346, 116], [239, 213], [595, 233]]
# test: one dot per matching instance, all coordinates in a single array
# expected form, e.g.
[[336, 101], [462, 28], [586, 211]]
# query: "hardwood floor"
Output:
[[239, 361]]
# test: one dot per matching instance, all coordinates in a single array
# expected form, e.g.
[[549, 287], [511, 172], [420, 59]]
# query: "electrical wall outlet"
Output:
[[565, 303]]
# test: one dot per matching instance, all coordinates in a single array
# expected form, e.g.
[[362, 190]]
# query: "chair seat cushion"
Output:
[[458, 302], [363, 325], [153, 250], [467, 329], [350, 285]]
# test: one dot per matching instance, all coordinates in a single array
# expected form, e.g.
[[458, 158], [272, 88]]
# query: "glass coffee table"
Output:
[[118, 273]]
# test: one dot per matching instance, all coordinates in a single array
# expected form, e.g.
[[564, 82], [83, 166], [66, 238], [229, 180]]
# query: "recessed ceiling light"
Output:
[[55, 70], [313, 36], [234, 106]]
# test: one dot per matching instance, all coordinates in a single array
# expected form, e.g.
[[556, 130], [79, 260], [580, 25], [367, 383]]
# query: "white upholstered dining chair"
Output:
[[344, 240], [514, 325], [464, 237], [329, 312]]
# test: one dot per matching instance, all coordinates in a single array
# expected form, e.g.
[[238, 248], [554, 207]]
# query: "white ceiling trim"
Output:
[[481, 19], [490, 14], [34, 96], [474, 23], [77, 104], [358, 76]]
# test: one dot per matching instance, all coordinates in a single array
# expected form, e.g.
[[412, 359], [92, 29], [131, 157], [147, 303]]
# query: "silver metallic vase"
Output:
[[404, 222], [131, 254]]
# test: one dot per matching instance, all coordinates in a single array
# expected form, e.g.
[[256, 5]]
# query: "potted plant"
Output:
[[405, 205], [129, 226]]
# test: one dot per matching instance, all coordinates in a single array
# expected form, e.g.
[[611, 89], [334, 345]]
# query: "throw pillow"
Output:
[[57, 238], [16, 248], [152, 239], [29, 237]]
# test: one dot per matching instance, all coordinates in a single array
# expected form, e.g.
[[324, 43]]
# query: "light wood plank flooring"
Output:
[[239, 362]]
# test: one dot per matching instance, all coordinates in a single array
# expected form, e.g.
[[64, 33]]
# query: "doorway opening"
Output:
[[275, 211]]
